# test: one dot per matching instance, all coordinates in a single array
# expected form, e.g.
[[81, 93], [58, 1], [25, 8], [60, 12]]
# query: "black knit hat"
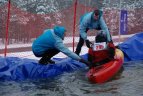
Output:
[[101, 37]]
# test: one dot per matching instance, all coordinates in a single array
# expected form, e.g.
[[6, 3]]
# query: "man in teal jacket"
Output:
[[50, 43], [91, 20]]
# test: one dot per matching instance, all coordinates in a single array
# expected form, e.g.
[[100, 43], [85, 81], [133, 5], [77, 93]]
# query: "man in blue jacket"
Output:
[[91, 20], [50, 43]]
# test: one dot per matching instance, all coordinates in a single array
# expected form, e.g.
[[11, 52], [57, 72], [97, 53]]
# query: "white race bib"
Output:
[[99, 46]]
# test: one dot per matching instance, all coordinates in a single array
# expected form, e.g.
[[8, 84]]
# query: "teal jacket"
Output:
[[52, 39], [87, 21]]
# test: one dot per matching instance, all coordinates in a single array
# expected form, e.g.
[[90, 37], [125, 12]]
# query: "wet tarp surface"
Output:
[[133, 48], [14, 68]]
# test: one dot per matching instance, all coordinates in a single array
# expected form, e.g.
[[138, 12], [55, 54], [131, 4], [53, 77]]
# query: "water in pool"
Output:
[[127, 83]]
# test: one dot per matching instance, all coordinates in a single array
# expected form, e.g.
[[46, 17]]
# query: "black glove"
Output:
[[85, 62], [88, 43]]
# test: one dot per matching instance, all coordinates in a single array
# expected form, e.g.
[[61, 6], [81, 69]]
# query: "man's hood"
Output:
[[59, 31]]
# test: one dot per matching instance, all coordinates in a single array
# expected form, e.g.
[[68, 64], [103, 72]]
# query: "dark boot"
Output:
[[48, 55], [46, 61], [51, 61], [76, 52], [43, 61]]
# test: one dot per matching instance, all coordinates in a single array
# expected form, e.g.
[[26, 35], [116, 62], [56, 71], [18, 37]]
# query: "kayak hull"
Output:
[[105, 72]]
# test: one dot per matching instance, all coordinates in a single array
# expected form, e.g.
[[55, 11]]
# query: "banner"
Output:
[[123, 22]]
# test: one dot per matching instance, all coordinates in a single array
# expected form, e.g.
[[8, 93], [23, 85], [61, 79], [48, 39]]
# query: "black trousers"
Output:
[[49, 54], [80, 44]]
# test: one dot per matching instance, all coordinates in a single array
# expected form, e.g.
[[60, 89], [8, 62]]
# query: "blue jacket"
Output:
[[52, 39], [87, 21]]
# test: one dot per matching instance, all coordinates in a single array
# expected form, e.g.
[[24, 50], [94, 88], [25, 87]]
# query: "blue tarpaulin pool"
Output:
[[14, 68], [133, 47]]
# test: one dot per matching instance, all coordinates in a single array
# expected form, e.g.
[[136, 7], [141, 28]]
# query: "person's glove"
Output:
[[88, 43], [111, 48], [85, 62], [111, 45]]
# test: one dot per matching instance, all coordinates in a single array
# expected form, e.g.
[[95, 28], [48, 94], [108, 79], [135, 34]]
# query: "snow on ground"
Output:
[[29, 54], [66, 41]]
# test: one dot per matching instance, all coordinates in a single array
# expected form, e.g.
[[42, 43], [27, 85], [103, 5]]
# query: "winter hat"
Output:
[[97, 12]]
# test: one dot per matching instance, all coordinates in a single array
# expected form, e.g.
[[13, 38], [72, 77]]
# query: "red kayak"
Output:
[[105, 72]]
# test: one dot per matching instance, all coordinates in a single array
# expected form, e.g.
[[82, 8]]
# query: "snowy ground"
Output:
[[29, 54]]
